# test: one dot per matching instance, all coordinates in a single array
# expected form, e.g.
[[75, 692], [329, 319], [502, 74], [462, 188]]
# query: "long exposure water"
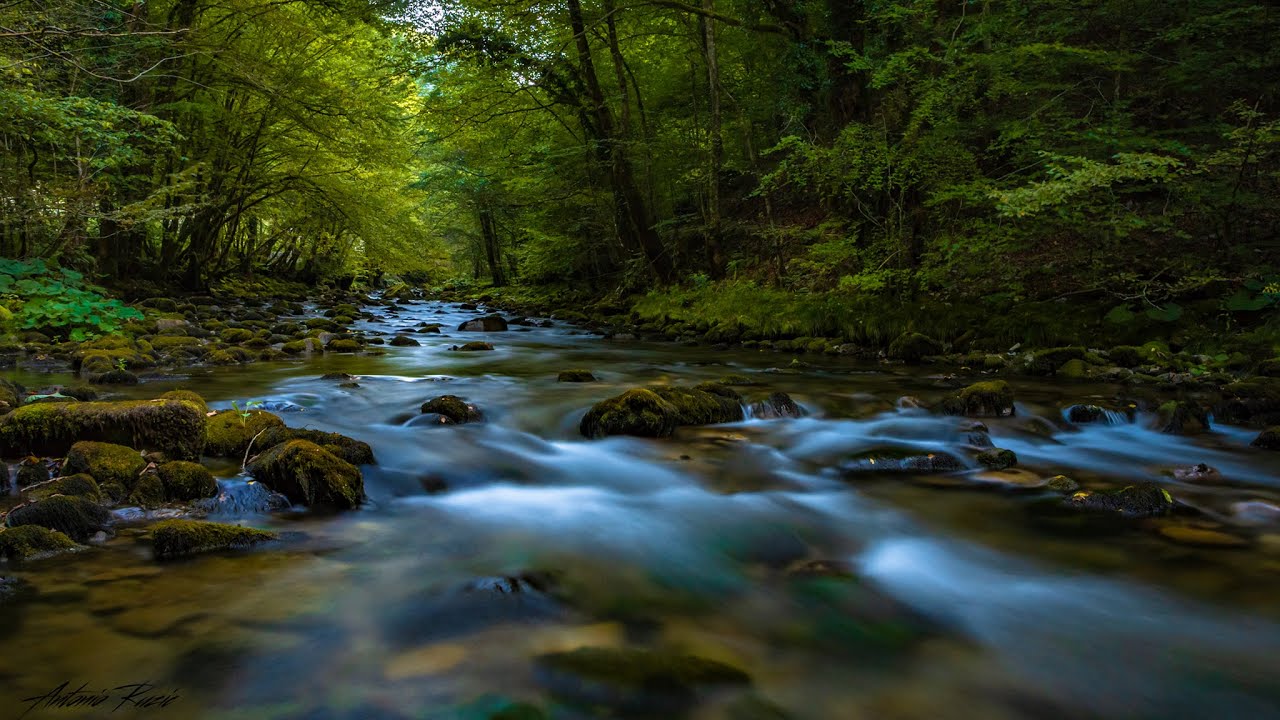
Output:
[[968, 599]]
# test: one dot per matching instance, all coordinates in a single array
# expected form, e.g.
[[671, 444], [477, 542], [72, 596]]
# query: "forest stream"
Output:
[[769, 545]]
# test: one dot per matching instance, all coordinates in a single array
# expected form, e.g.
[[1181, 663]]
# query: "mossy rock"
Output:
[[169, 343], [404, 341], [173, 427], [1268, 439], [992, 398], [739, 381], [476, 347], [343, 346], [11, 393], [1255, 401], [1178, 417], [575, 376], [353, 451], [913, 347], [1047, 362], [997, 459], [187, 396], [294, 347], [106, 462], [777, 405], [635, 412], [78, 485], [148, 492], [76, 517], [310, 475], [1062, 483], [181, 538], [634, 680], [704, 404], [1073, 370], [229, 433], [31, 471], [1135, 501], [114, 493], [458, 411], [233, 336], [185, 481], [114, 377], [32, 542]]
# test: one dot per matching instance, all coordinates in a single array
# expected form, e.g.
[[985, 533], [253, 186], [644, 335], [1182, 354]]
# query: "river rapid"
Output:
[[484, 546]]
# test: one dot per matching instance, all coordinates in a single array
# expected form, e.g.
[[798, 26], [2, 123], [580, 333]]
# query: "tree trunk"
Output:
[[715, 250]]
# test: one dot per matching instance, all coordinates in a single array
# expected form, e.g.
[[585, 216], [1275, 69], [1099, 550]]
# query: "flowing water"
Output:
[[969, 601]]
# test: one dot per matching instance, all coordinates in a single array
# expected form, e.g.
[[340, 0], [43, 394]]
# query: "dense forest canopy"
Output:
[[1122, 150]]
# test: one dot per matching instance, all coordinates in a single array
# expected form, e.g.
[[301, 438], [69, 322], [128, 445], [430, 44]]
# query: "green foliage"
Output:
[[38, 296]]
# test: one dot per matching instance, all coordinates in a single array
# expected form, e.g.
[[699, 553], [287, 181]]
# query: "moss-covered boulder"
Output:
[[651, 682], [474, 347], [1255, 401], [78, 485], [1179, 417], [32, 542], [635, 412], [705, 404], [148, 492], [76, 517], [349, 449], [575, 376], [10, 394], [1073, 370], [31, 470], [184, 481], [180, 538], [187, 396], [229, 433], [1048, 362], [454, 408], [1127, 356], [1268, 439], [310, 475], [1134, 501], [913, 347], [404, 341], [343, 345], [1063, 484], [173, 427], [997, 459], [106, 462], [993, 398]]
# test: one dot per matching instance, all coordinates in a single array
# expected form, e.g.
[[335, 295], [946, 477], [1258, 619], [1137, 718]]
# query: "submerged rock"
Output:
[[1134, 501], [454, 408], [179, 538], [575, 376], [633, 680], [1199, 473], [992, 398], [310, 475], [997, 459], [76, 517], [1201, 536], [1182, 418], [174, 427], [894, 460], [33, 542], [106, 462], [1062, 483]]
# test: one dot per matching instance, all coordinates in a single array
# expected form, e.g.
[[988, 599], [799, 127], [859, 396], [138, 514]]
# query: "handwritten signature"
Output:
[[133, 695]]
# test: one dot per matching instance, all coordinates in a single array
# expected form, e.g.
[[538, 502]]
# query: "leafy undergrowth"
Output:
[[40, 297]]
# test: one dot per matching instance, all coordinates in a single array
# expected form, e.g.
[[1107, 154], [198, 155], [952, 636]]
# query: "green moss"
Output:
[[166, 343], [228, 433], [997, 459], [1062, 483], [180, 538], [1182, 418], [912, 347], [31, 470], [1072, 370], [739, 381], [76, 517], [235, 335], [170, 426], [83, 393], [78, 485], [575, 376], [32, 542], [343, 346], [1047, 362], [1254, 402], [308, 474], [1126, 356], [453, 407], [704, 404], [114, 493], [295, 347], [349, 449], [185, 481], [993, 398], [636, 412], [187, 396], [106, 462], [148, 492]]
